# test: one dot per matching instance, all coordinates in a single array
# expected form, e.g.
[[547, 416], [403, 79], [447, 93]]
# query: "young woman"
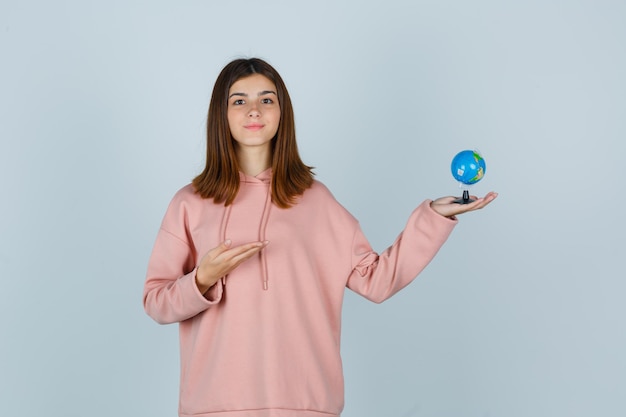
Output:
[[253, 257]]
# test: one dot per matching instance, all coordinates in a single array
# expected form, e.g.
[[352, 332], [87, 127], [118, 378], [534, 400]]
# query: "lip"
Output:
[[254, 126]]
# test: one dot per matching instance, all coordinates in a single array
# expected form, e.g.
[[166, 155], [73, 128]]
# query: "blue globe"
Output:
[[468, 167]]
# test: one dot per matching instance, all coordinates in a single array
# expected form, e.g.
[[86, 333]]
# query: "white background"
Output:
[[102, 108]]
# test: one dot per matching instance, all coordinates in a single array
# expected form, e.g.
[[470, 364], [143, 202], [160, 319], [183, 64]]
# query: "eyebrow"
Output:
[[262, 93]]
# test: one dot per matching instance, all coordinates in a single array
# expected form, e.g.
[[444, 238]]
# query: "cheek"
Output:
[[276, 122], [276, 117], [231, 117]]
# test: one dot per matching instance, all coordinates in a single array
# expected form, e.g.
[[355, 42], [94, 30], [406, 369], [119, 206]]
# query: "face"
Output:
[[253, 111]]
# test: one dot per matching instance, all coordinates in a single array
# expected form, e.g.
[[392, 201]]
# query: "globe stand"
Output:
[[465, 199]]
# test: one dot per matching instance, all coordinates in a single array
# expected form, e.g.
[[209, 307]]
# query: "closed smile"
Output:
[[254, 126]]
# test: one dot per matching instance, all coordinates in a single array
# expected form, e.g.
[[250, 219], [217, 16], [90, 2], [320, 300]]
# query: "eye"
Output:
[[238, 102], [267, 101]]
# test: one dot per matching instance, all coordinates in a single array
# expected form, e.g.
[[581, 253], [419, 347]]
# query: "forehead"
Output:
[[253, 83]]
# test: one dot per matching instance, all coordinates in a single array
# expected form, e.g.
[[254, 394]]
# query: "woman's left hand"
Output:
[[446, 207]]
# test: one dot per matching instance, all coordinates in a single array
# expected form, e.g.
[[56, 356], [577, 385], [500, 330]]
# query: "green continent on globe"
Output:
[[479, 175], [481, 172]]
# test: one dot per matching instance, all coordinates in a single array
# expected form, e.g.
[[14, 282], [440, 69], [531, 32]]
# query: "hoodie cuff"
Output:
[[214, 294], [211, 297]]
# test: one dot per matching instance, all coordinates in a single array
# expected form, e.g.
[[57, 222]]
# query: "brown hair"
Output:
[[220, 178]]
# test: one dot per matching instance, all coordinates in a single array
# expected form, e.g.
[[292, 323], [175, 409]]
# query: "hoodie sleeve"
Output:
[[170, 292], [378, 277]]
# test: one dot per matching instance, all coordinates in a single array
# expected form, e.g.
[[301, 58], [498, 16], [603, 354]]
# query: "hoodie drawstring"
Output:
[[262, 226], [223, 225]]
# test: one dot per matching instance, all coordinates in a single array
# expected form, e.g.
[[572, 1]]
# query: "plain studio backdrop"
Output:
[[522, 312]]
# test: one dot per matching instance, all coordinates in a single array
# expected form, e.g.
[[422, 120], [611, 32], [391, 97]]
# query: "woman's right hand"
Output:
[[219, 261]]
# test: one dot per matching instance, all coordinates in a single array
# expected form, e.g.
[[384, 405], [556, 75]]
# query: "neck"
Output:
[[253, 161]]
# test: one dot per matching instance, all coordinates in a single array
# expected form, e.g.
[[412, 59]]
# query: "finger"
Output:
[[224, 263], [244, 251], [488, 198], [219, 249], [242, 257], [480, 202]]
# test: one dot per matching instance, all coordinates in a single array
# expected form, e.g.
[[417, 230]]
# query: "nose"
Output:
[[254, 111]]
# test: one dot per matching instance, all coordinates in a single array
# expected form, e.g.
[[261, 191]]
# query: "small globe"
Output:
[[468, 167]]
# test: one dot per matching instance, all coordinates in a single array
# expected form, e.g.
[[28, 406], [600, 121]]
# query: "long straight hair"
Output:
[[220, 178]]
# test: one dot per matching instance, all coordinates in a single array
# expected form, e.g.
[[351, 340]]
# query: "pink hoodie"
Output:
[[265, 340]]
